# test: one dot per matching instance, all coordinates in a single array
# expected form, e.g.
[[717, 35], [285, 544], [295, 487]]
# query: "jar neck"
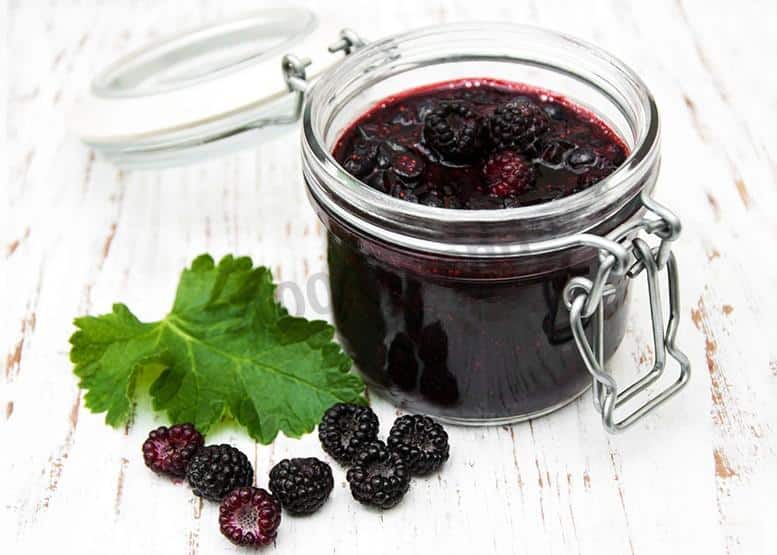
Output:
[[609, 88]]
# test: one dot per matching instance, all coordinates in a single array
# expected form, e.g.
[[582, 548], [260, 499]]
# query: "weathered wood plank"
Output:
[[77, 235]]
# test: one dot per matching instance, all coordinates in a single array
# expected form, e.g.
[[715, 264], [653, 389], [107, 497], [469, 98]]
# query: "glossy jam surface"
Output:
[[479, 144], [468, 339]]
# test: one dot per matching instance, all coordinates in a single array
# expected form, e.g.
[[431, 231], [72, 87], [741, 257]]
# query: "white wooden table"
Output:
[[76, 235]]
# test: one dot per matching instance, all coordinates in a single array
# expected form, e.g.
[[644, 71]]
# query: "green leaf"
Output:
[[227, 348]]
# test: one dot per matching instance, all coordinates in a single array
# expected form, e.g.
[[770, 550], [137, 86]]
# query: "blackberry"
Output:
[[345, 429], [407, 165], [250, 516], [401, 160], [168, 450], [454, 131], [421, 442], [216, 470], [361, 161], [518, 125], [301, 485], [508, 173], [390, 168], [379, 476]]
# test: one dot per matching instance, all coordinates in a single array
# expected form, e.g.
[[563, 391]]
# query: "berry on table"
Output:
[[168, 450], [345, 429], [216, 470], [454, 131], [379, 476], [421, 442], [518, 125], [508, 173], [301, 485], [250, 516]]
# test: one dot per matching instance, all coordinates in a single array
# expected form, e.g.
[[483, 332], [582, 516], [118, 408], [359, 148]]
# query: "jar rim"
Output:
[[421, 227]]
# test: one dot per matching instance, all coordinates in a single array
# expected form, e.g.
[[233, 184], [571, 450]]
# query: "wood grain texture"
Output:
[[76, 234]]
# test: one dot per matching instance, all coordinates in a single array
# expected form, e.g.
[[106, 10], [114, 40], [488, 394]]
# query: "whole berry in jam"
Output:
[[301, 485], [519, 125], [421, 442], [361, 161], [379, 476], [168, 450], [508, 173], [407, 165], [345, 429], [454, 131], [216, 470], [250, 516]]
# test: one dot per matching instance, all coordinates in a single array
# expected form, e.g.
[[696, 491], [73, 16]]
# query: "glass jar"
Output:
[[481, 317], [475, 316]]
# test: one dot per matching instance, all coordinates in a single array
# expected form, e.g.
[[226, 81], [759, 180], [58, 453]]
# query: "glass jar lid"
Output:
[[202, 92]]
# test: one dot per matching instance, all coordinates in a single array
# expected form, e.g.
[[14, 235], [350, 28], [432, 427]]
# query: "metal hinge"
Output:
[[585, 300], [295, 69]]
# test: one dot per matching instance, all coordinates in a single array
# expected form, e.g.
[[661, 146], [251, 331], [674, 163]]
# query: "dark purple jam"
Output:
[[479, 144], [457, 337]]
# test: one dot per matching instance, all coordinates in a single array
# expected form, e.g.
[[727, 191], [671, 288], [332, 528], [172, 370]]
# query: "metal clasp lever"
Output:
[[295, 70], [584, 299]]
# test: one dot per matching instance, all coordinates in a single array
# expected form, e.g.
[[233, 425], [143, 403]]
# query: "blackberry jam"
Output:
[[457, 340], [458, 209], [479, 144]]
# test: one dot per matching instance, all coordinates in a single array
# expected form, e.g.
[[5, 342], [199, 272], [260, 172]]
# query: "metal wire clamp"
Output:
[[585, 300]]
